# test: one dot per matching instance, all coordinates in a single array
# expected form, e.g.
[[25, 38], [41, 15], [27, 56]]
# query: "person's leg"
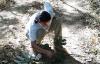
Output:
[[56, 27]]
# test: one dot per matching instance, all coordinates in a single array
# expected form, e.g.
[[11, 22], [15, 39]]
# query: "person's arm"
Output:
[[41, 50]]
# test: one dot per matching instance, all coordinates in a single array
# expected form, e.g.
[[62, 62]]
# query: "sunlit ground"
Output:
[[82, 42]]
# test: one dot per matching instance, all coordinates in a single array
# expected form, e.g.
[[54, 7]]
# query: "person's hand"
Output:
[[49, 54]]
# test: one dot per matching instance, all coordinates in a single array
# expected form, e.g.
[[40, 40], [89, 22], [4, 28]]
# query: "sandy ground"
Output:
[[82, 42]]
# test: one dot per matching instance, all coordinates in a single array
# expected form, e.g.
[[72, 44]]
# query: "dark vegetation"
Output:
[[9, 54]]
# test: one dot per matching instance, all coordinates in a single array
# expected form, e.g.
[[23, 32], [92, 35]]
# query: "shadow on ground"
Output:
[[8, 21], [62, 56], [4, 26], [23, 9], [69, 19], [5, 4], [77, 17], [8, 53]]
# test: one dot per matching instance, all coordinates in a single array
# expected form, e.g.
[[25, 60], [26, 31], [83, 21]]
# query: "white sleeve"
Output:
[[48, 7], [32, 35]]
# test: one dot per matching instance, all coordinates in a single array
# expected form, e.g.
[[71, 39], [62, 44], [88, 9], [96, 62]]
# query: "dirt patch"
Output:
[[82, 38]]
